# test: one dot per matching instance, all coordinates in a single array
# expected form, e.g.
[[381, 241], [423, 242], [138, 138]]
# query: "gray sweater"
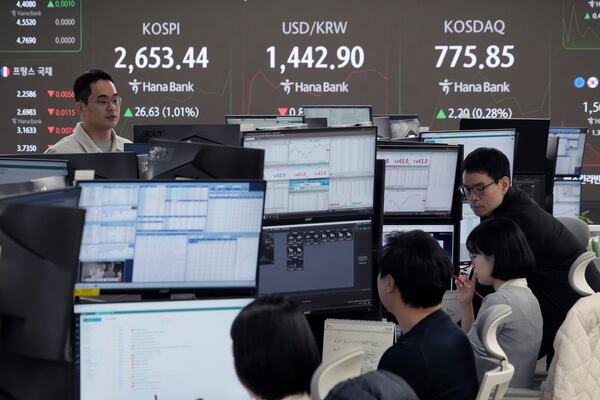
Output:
[[519, 335]]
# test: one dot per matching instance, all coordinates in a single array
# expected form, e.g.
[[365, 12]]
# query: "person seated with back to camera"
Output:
[[274, 351], [433, 355], [502, 258]]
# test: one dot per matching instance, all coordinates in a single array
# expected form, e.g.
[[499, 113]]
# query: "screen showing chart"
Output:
[[567, 198], [315, 172], [419, 181], [177, 234], [503, 140], [156, 350], [467, 224], [571, 145]]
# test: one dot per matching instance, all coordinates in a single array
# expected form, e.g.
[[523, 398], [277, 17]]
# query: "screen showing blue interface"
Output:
[[170, 234]]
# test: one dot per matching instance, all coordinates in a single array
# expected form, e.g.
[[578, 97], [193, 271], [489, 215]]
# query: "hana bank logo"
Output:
[[135, 85], [445, 84], [287, 86]]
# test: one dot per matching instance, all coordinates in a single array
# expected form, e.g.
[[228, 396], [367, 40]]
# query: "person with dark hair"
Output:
[[374, 385], [274, 351], [99, 105], [486, 185], [502, 258], [433, 354]]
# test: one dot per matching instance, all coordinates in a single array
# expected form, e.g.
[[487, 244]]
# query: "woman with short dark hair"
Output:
[[275, 353], [502, 258]]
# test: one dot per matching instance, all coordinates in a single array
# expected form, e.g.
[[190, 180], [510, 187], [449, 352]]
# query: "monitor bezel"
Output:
[[139, 129], [154, 292]]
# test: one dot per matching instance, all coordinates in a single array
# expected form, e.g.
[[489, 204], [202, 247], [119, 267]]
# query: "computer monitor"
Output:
[[383, 126], [421, 180], [503, 140], [318, 172], [323, 266], [444, 234], [171, 160], [252, 122], [170, 236], [401, 125], [570, 150], [156, 350], [210, 134], [33, 186], [38, 262], [530, 152], [341, 115], [117, 165], [68, 197], [22, 170], [567, 198]]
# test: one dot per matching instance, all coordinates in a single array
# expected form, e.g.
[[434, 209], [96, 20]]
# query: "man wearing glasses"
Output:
[[99, 105], [486, 185]]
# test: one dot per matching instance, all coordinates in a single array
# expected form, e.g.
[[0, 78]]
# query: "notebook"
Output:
[[375, 337]]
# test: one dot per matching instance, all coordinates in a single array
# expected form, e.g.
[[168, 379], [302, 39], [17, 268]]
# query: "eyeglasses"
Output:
[[104, 102], [477, 190]]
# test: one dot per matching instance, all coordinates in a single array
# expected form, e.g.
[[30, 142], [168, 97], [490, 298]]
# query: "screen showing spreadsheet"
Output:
[[503, 140], [419, 180], [156, 350], [567, 198], [443, 233], [317, 171], [571, 145], [170, 234]]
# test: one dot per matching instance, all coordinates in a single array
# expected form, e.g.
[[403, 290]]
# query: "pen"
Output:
[[474, 291]]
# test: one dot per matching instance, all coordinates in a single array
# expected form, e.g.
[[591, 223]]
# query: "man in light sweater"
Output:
[[99, 105]]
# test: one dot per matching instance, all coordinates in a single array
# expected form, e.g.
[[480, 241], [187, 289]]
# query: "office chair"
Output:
[[495, 381], [578, 228], [345, 366], [583, 270]]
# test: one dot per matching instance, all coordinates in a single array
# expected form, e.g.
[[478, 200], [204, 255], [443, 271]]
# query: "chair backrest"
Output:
[[495, 382], [577, 273], [578, 228], [344, 366]]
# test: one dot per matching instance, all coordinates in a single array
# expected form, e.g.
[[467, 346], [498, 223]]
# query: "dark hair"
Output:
[[502, 238], [420, 267], [487, 160], [275, 353], [81, 87]]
